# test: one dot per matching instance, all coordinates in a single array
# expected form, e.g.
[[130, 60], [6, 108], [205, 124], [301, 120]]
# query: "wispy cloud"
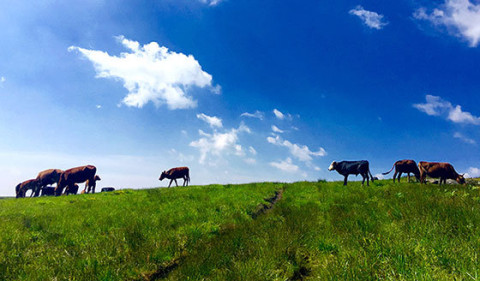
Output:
[[213, 121], [301, 152], [211, 2], [436, 106], [286, 166], [369, 18], [219, 143], [460, 17], [151, 73], [276, 129], [257, 114], [281, 115], [463, 138]]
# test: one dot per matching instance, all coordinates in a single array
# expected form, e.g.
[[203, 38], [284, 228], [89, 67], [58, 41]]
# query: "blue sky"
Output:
[[239, 91]]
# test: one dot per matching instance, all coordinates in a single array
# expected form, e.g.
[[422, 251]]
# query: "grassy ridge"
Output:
[[316, 231]]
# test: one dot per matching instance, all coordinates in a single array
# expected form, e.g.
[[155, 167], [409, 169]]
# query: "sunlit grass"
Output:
[[321, 231]]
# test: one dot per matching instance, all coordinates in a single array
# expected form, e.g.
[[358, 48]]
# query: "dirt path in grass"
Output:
[[164, 270]]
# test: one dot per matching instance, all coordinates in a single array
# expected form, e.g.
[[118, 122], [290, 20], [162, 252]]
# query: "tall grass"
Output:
[[115, 236]]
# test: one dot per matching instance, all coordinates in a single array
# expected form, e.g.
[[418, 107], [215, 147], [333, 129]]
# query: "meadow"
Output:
[[259, 231]]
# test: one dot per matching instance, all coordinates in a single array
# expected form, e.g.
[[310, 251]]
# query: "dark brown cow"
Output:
[[72, 190], [176, 173], [47, 177], [21, 188], [443, 171], [404, 166], [91, 185], [75, 175]]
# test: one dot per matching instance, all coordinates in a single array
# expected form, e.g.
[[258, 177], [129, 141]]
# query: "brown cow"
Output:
[[47, 177], [176, 173], [443, 171], [404, 166], [74, 175], [91, 185], [21, 188]]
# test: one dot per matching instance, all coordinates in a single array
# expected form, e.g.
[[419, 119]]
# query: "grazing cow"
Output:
[[21, 188], [108, 189], [346, 168], [404, 166], [75, 175], [443, 171], [48, 191], [91, 185], [176, 173], [47, 177]]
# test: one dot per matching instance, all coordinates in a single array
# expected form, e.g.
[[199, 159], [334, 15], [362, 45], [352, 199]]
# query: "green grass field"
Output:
[[321, 231]]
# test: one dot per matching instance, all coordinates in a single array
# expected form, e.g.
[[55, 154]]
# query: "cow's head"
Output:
[[460, 179], [163, 175], [332, 166]]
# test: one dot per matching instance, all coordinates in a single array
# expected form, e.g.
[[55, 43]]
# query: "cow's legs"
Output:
[[366, 175], [399, 176], [394, 175], [170, 183], [176, 183], [184, 180], [345, 180]]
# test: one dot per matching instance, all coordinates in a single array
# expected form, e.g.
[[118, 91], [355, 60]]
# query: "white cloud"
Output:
[[464, 138], [211, 2], [472, 173], [3, 79], [218, 143], [151, 73], [460, 17], [301, 152], [250, 161], [436, 106], [257, 114], [252, 150], [213, 121], [286, 166], [278, 114], [276, 129], [369, 18], [98, 106]]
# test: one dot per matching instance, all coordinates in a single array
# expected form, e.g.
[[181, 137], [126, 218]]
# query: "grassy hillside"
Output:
[[314, 231]]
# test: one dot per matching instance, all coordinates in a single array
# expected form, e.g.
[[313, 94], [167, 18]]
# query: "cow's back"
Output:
[[79, 174], [178, 172]]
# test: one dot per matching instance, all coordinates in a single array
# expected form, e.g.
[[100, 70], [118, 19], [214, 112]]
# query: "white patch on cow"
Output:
[[332, 166]]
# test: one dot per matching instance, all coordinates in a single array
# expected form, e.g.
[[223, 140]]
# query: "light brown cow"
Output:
[[176, 173], [21, 188], [404, 166], [443, 171], [91, 185], [75, 175], [47, 177]]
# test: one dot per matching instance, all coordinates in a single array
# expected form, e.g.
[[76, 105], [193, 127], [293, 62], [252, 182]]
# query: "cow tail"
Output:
[[188, 175], [371, 177], [386, 173]]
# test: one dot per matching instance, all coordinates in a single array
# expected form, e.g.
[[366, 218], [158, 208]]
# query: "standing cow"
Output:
[[346, 168], [21, 188], [75, 175], [443, 171], [176, 173], [404, 166], [91, 185], [47, 177]]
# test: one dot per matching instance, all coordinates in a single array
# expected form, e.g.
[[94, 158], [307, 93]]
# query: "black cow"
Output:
[[48, 191], [346, 168], [108, 189]]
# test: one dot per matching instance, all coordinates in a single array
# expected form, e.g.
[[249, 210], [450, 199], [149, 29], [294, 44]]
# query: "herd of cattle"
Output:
[[443, 171], [69, 179]]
